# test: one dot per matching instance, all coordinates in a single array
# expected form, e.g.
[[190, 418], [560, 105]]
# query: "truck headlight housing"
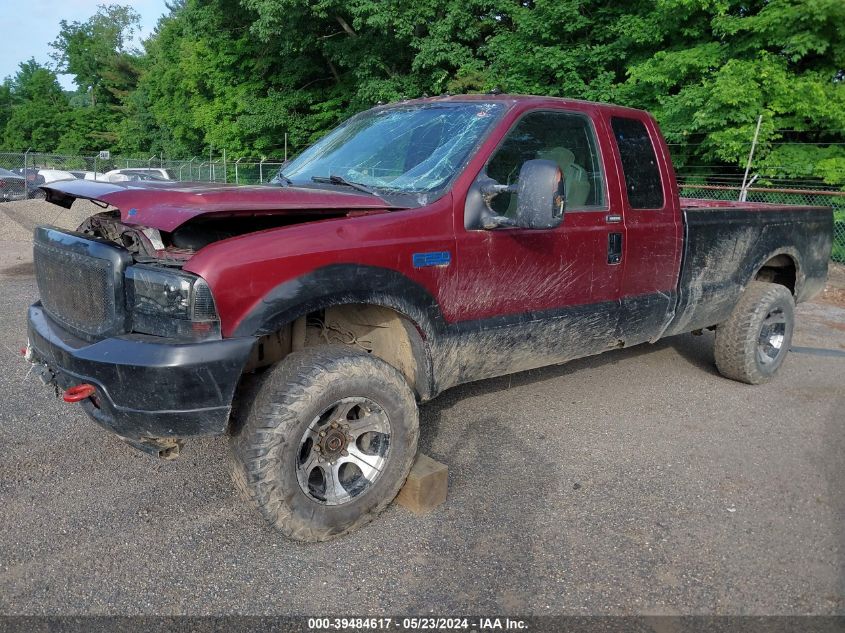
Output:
[[170, 303]]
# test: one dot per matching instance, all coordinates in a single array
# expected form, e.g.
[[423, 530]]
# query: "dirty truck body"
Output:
[[419, 246]]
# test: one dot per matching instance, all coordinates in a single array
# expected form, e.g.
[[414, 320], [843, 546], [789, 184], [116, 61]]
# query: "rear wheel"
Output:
[[327, 443], [752, 344]]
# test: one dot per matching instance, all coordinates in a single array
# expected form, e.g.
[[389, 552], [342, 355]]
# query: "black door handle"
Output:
[[614, 248]]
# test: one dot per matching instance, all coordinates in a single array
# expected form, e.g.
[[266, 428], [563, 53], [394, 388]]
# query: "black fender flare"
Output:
[[344, 284]]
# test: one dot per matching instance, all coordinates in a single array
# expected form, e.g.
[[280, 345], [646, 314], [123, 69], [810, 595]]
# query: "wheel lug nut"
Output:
[[317, 449], [334, 425], [345, 453], [322, 434]]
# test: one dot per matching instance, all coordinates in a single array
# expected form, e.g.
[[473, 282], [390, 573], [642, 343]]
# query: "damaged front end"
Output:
[[151, 391], [142, 242], [135, 338]]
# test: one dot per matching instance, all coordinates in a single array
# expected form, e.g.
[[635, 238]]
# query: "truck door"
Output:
[[652, 237], [556, 281]]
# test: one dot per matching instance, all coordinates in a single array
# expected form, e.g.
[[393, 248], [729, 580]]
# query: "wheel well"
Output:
[[780, 269], [376, 329]]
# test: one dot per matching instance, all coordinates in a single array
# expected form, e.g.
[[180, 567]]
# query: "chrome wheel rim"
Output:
[[772, 336], [343, 451]]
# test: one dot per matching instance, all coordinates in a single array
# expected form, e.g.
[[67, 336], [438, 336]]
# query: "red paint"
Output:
[[78, 393], [652, 239], [167, 205], [242, 270], [492, 273]]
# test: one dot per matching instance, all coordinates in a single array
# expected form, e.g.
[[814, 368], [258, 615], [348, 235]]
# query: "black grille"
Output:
[[79, 281]]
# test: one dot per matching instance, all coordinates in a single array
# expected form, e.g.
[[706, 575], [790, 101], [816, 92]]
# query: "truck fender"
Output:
[[348, 284], [773, 256]]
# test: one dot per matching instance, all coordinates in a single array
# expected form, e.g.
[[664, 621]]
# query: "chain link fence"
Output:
[[784, 195], [38, 168], [243, 171]]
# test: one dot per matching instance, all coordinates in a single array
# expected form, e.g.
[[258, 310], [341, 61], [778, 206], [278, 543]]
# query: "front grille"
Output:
[[80, 282]]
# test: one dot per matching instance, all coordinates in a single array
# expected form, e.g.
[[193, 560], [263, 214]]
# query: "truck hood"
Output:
[[167, 205]]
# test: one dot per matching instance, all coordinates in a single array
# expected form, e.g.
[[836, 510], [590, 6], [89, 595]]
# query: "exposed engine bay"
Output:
[[140, 241]]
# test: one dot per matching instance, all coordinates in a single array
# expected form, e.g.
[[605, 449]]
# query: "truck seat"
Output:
[[577, 182]]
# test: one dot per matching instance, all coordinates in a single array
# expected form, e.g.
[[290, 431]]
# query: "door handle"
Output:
[[613, 218], [614, 248]]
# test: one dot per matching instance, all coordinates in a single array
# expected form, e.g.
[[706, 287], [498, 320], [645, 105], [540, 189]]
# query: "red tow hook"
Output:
[[78, 393]]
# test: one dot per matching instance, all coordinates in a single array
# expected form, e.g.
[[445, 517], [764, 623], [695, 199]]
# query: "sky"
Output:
[[30, 25]]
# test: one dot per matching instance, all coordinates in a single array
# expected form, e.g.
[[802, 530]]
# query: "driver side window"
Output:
[[563, 137]]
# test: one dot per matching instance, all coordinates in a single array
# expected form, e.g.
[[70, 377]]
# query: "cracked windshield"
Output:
[[413, 149]]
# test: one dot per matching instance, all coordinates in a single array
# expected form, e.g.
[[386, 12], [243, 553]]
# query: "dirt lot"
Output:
[[639, 481], [834, 293]]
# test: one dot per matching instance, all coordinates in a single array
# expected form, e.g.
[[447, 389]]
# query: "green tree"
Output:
[[6, 100], [91, 50], [719, 65], [240, 74], [106, 73], [38, 108]]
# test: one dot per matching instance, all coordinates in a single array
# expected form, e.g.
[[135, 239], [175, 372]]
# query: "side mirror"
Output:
[[540, 195]]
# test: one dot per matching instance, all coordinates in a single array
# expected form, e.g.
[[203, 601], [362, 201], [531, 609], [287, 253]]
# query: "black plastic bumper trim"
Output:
[[145, 389]]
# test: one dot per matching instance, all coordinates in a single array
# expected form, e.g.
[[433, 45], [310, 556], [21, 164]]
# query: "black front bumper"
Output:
[[148, 391]]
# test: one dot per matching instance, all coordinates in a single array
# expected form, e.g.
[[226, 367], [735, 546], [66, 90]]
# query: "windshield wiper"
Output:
[[281, 178], [340, 180]]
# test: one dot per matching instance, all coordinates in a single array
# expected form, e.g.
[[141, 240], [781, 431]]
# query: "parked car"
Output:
[[54, 175], [34, 180], [418, 246], [140, 173], [87, 175], [12, 186]]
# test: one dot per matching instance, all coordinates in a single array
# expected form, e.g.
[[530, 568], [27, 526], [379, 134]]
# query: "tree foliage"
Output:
[[734, 61], [92, 50], [37, 106], [240, 74]]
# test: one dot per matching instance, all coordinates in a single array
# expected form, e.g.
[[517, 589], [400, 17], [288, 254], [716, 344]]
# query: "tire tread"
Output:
[[285, 389], [736, 338]]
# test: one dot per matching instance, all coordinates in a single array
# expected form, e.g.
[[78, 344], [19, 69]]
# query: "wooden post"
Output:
[[426, 487]]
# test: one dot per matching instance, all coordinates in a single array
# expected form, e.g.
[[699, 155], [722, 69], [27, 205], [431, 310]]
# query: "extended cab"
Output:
[[418, 246]]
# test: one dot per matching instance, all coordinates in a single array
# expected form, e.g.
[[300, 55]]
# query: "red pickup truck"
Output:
[[420, 245]]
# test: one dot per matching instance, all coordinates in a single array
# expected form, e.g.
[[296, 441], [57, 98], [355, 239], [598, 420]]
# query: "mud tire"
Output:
[[737, 338], [284, 401]]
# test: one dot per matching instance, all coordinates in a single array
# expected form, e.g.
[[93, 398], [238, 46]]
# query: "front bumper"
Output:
[[148, 391]]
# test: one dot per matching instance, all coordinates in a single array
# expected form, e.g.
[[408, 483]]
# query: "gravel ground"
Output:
[[635, 482]]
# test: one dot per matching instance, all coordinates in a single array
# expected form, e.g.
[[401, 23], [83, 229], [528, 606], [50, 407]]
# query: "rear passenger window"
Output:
[[642, 175]]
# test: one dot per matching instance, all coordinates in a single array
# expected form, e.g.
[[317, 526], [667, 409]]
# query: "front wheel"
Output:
[[327, 442], [752, 344]]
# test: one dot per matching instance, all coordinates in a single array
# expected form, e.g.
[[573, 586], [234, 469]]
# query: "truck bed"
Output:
[[727, 244]]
